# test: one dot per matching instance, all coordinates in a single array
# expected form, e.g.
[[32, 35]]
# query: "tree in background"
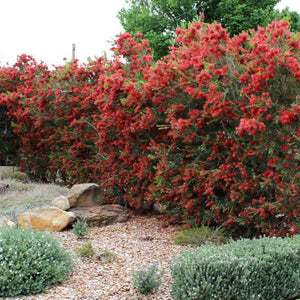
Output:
[[291, 16], [239, 15], [158, 19]]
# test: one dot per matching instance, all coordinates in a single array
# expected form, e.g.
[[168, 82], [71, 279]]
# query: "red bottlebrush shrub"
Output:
[[31, 94], [233, 108], [126, 120], [73, 152], [52, 120]]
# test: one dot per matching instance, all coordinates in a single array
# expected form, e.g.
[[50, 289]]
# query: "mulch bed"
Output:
[[137, 244]]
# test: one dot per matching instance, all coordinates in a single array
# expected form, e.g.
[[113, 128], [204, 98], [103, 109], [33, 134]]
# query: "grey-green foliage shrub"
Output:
[[80, 228], [30, 262], [265, 268], [147, 280]]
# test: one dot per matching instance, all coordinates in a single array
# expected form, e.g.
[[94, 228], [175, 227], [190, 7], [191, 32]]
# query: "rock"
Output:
[[61, 202], [85, 194], [4, 221], [45, 218], [102, 215]]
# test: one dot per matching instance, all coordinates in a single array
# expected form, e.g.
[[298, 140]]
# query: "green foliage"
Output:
[[17, 175], [30, 262], [86, 250], [237, 15], [80, 228], [291, 16], [158, 19], [265, 268], [201, 236], [147, 280]]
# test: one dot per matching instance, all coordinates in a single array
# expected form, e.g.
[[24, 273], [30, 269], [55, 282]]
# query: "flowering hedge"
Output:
[[212, 131], [51, 120]]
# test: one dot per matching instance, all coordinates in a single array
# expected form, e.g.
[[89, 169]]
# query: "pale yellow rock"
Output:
[[61, 202], [45, 218]]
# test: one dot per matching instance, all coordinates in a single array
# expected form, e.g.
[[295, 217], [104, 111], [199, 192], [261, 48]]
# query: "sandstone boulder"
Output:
[[45, 218], [4, 221], [61, 202], [85, 194], [102, 215]]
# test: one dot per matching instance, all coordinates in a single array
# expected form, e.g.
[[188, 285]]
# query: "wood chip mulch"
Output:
[[137, 244]]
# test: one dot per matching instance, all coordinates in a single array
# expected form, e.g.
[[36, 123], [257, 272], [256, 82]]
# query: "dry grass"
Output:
[[22, 196]]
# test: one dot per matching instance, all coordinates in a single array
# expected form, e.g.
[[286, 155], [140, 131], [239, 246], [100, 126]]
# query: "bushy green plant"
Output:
[[108, 256], [30, 262], [17, 175], [147, 280], [80, 228], [201, 235], [265, 268], [86, 250]]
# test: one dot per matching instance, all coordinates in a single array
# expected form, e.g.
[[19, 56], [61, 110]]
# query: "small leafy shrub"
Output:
[[19, 176], [201, 235], [265, 268], [107, 256], [86, 250], [30, 262], [148, 280], [80, 228]]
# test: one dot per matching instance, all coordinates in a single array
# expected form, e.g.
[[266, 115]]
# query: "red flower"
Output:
[[250, 126]]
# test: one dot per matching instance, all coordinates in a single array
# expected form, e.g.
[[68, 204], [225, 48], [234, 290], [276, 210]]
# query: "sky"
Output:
[[47, 29]]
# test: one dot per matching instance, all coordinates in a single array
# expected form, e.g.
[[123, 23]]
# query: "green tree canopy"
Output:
[[158, 19], [239, 15], [291, 16]]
